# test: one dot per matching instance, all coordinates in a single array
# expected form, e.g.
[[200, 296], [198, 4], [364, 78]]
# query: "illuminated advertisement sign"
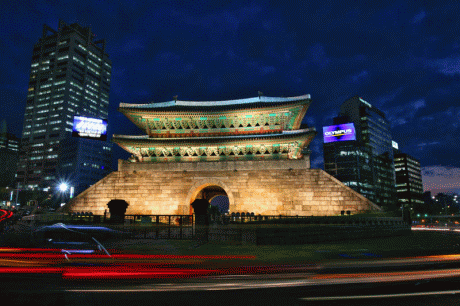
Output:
[[340, 132], [91, 128]]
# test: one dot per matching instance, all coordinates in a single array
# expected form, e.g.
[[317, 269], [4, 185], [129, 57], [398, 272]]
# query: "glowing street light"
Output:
[[63, 187], [66, 190]]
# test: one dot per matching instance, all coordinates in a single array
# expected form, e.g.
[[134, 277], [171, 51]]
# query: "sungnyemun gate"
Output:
[[251, 150]]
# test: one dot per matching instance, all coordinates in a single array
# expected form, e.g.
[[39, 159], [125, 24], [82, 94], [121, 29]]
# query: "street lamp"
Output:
[[63, 187], [17, 193]]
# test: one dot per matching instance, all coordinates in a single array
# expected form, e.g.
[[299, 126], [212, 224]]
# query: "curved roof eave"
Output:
[[178, 103]]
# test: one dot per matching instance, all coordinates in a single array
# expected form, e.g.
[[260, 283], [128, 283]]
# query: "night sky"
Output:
[[402, 57]]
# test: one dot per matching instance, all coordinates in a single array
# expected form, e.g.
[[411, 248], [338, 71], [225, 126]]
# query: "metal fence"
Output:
[[251, 218], [182, 227], [158, 227], [238, 218], [159, 220], [133, 226]]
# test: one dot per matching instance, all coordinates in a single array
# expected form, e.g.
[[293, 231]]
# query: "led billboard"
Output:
[[91, 128], [340, 132]]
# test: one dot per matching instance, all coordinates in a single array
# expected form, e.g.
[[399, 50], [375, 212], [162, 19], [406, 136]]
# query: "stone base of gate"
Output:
[[272, 187]]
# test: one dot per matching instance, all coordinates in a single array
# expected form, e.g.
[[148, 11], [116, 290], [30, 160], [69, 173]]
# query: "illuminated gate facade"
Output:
[[251, 150]]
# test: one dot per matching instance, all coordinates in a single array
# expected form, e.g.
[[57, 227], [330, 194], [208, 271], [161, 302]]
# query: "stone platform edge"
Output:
[[233, 165]]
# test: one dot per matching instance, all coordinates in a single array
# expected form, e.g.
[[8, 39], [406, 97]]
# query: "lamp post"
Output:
[[63, 187], [17, 194]]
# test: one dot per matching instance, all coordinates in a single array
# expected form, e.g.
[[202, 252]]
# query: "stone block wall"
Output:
[[268, 187]]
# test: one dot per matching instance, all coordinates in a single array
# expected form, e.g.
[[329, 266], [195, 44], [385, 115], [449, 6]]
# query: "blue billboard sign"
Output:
[[91, 128], [340, 132]]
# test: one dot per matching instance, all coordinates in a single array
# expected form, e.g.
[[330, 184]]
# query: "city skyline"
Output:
[[395, 56]]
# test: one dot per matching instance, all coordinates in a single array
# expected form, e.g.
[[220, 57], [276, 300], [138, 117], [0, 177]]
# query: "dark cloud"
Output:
[[418, 17], [402, 114]]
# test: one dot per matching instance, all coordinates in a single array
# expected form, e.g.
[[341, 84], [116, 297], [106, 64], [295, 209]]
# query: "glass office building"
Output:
[[70, 75], [409, 186], [365, 163]]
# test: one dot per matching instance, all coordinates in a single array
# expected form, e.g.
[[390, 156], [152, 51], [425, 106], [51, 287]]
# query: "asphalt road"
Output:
[[236, 290], [422, 280]]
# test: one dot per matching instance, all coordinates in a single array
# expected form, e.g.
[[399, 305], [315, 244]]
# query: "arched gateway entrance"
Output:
[[209, 190]]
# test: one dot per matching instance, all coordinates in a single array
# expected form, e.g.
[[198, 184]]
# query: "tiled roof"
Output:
[[178, 105]]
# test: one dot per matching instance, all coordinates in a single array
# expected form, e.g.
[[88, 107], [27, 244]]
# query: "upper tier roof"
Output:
[[145, 139], [177, 105]]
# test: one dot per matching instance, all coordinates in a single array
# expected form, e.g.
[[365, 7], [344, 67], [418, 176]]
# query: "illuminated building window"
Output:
[[60, 82], [94, 55]]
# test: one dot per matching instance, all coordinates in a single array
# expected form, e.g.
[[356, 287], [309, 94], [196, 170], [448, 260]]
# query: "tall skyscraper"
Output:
[[365, 162], [70, 75]]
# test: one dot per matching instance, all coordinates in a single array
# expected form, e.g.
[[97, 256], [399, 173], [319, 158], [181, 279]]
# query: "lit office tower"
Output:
[[409, 186], [70, 75], [364, 163]]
